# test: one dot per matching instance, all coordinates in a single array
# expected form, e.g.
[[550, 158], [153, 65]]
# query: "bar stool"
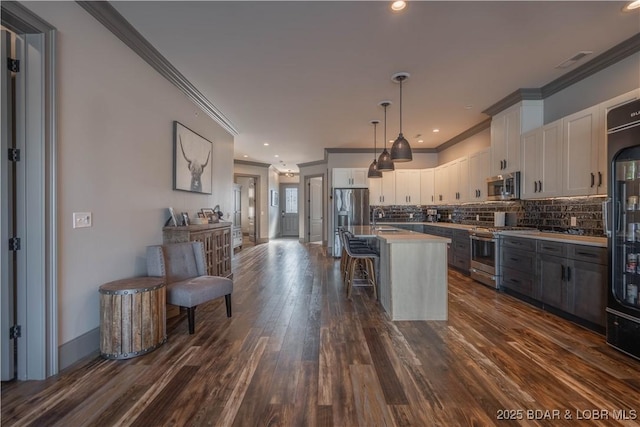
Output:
[[357, 244], [356, 255]]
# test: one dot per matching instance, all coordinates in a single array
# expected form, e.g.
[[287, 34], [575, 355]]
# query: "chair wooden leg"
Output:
[[191, 316], [372, 276], [227, 301], [351, 276]]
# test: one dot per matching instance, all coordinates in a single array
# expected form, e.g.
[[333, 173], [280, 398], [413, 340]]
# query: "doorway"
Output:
[[249, 202], [315, 209], [28, 208], [289, 217]]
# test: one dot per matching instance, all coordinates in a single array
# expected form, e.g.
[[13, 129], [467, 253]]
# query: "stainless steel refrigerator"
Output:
[[350, 207], [623, 227]]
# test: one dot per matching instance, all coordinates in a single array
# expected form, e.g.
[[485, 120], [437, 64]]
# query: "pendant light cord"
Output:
[[401, 105], [385, 126], [375, 137]]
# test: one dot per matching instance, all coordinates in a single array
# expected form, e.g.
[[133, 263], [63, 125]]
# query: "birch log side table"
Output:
[[132, 317]]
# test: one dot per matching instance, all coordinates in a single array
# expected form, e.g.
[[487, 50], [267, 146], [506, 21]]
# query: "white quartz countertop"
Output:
[[534, 234], [559, 237], [391, 234], [436, 224]]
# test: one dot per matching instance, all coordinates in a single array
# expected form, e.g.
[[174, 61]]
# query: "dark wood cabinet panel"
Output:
[[216, 239]]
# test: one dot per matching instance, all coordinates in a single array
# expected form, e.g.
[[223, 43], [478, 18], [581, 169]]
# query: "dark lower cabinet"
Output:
[[573, 278], [567, 279], [518, 260], [589, 291], [553, 286]]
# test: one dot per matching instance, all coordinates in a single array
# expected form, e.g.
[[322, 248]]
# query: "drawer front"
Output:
[[461, 262], [592, 254], [519, 243], [516, 259], [518, 281], [462, 246], [552, 248]]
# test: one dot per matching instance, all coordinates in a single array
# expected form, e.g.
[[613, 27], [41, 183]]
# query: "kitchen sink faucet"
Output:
[[375, 211]]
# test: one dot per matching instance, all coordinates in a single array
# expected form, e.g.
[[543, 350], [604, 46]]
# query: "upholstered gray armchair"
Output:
[[184, 268]]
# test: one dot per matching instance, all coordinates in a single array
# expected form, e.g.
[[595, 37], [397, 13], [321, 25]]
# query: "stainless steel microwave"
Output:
[[504, 187]]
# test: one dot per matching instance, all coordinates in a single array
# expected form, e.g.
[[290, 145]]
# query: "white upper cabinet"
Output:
[[506, 130], [541, 162], [382, 191], [427, 188], [441, 184], [580, 153], [407, 186], [350, 177], [459, 180], [479, 171]]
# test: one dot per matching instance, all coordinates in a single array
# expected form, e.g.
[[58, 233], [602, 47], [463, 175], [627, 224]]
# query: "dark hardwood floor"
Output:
[[297, 353]]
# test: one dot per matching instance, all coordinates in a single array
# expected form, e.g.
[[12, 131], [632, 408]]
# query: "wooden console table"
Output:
[[217, 244]]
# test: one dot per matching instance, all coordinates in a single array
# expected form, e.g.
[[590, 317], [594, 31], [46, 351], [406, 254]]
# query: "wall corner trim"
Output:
[[464, 135], [249, 163], [108, 16]]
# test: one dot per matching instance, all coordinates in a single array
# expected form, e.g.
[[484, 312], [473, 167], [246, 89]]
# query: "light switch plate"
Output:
[[574, 222], [81, 219]]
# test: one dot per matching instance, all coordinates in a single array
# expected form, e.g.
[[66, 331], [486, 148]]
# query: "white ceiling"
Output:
[[305, 75]]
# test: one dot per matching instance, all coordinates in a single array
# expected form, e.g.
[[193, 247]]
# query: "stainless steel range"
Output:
[[485, 254]]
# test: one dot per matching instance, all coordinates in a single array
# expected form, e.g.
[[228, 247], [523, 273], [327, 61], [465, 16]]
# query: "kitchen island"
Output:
[[412, 283]]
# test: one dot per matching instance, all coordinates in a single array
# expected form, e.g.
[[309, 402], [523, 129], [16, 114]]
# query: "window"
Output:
[[291, 200]]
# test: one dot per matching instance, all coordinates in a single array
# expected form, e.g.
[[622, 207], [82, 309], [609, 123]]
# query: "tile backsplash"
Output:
[[544, 214]]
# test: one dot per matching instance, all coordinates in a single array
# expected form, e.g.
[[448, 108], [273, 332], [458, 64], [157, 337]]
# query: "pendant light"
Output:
[[384, 161], [373, 167], [401, 150]]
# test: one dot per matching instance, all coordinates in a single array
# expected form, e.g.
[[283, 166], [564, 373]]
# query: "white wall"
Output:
[[615, 80], [115, 156], [471, 145]]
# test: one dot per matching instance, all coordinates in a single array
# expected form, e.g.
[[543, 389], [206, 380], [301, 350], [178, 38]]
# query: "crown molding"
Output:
[[512, 99], [599, 63], [606, 59], [486, 124], [370, 151], [108, 16], [317, 162], [249, 163]]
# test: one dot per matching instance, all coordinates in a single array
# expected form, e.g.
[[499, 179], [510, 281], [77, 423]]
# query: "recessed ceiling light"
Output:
[[276, 155], [265, 144], [436, 130], [468, 107], [397, 6], [631, 6], [245, 156], [421, 141]]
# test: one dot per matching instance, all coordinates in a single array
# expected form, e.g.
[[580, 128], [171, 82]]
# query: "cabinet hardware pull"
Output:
[[587, 254], [535, 186], [593, 179], [514, 259], [568, 274], [505, 163], [515, 280], [562, 272], [599, 179], [540, 186], [432, 198]]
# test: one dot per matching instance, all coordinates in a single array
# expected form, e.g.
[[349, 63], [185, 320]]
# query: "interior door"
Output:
[[315, 209], [7, 213], [289, 224]]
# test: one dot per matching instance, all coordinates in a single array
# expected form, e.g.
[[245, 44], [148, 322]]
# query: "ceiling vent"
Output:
[[575, 58]]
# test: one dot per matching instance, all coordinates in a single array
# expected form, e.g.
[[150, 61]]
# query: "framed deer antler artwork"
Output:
[[192, 161]]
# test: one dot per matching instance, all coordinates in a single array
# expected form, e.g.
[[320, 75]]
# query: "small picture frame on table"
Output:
[[172, 218], [201, 215], [185, 218], [209, 214]]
